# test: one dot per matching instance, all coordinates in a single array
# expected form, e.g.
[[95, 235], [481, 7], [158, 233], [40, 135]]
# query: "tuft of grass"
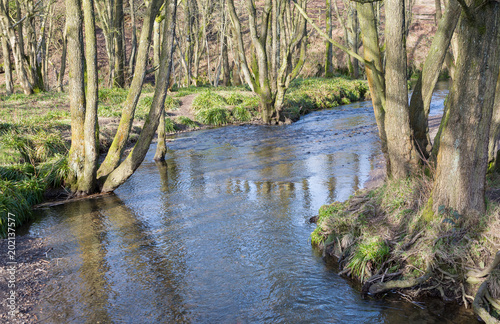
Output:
[[170, 126], [183, 120], [213, 116], [172, 103], [112, 96], [234, 98], [208, 100], [368, 256], [241, 114]]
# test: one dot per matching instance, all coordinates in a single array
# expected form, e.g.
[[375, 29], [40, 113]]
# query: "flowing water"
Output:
[[220, 234]]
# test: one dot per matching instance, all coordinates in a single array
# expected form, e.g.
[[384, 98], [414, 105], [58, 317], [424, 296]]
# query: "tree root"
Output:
[[477, 305], [494, 302], [381, 287], [486, 271]]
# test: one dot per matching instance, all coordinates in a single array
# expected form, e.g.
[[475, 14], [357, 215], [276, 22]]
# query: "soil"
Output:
[[31, 273]]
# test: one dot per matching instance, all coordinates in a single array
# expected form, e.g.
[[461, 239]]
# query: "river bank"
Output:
[[380, 237]]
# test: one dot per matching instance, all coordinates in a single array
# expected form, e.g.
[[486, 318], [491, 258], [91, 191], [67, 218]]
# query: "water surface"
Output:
[[220, 234]]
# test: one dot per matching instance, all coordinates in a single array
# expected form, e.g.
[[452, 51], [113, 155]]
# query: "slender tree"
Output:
[[270, 85]]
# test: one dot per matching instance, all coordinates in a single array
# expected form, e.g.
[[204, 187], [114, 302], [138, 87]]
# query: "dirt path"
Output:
[[185, 108]]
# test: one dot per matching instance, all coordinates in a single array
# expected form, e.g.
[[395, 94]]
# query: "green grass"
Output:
[[213, 116], [170, 126], [183, 120], [371, 251], [305, 95], [208, 100], [241, 114]]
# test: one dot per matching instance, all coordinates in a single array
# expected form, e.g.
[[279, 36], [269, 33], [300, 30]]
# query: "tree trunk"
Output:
[[7, 66], [329, 47], [62, 71], [76, 92], [439, 12], [422, 94], [87, 183], [136, 156], [119, 79], [116, 150], [226, 76], [375, 77], [462, 159], [493, 147], [133, 52], [165, 22], [403, 157], [353, 39]]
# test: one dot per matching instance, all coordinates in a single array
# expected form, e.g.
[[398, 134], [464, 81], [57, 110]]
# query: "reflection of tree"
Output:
[[153, 265], [89, 229]]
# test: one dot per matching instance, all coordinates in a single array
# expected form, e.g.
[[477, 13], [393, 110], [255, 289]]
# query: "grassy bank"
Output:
[[35, 130], [385, 239]]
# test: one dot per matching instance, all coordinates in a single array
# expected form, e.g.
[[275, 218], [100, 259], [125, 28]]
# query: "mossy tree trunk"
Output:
[[121, 137], [169, 25], [422, 94], [462, 158], [329, 46], [138, 153], [76, 158]]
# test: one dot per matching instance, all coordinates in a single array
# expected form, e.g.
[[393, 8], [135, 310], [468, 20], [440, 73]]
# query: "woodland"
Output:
[[426, 229]]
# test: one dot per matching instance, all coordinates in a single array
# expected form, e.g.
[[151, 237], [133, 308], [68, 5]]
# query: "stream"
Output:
[[221, 233]]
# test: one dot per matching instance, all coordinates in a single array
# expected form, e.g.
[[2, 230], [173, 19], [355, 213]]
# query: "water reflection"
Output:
[[218, 234]]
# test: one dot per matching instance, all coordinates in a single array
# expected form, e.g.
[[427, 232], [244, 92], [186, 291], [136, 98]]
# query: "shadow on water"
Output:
[[219, 234]]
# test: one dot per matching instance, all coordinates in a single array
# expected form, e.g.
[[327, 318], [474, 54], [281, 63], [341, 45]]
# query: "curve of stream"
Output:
[[220, 234]]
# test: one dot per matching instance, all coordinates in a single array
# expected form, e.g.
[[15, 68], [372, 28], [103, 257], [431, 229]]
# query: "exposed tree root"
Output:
[[478, 303], [486, 271], [381, 287]]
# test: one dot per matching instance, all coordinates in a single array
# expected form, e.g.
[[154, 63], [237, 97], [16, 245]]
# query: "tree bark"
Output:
[[462, 159], [119, 78], [493, 147], [422, 94], [403, 157]]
